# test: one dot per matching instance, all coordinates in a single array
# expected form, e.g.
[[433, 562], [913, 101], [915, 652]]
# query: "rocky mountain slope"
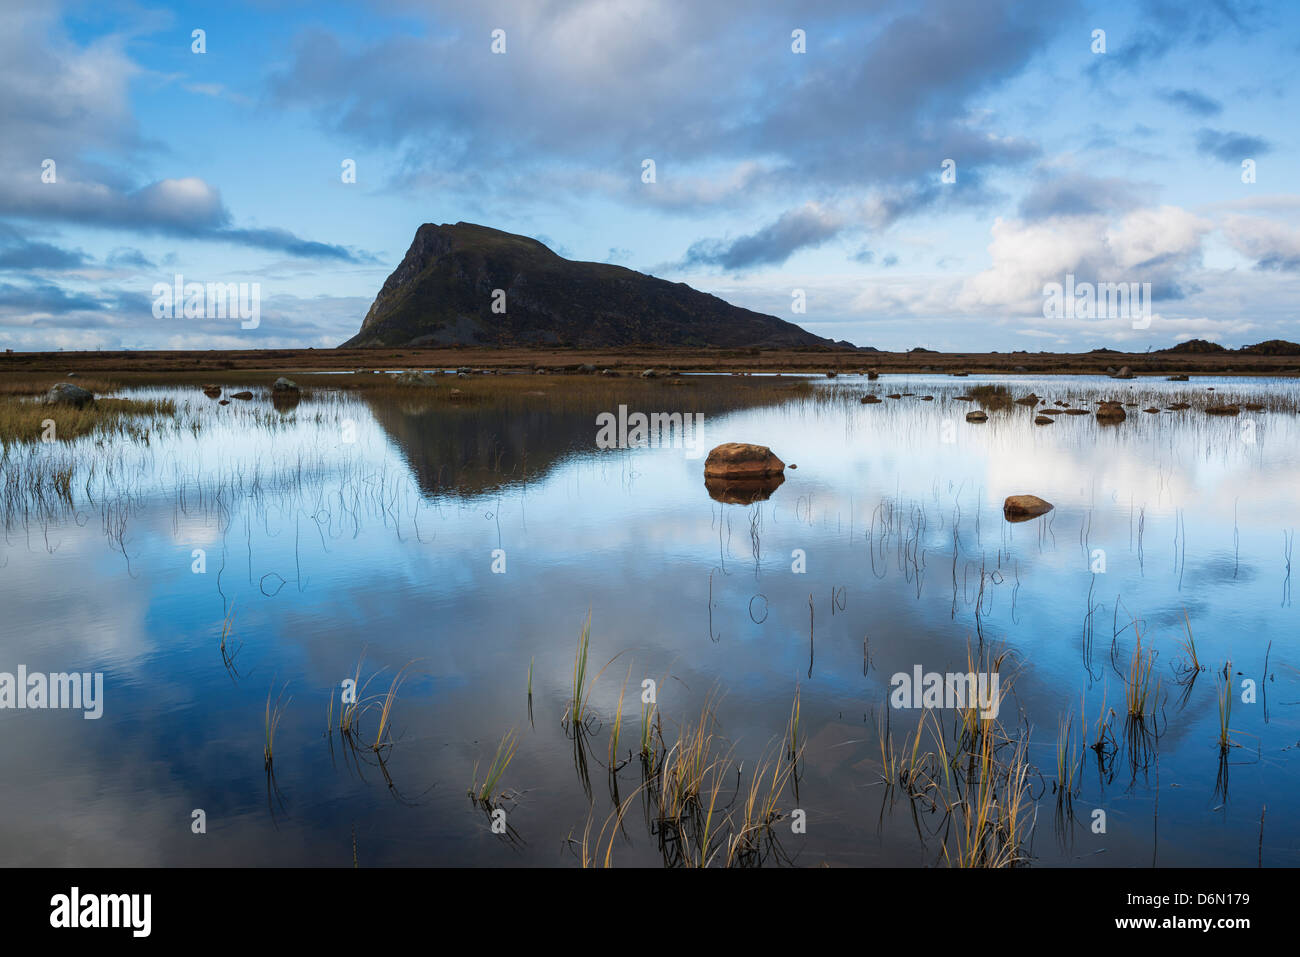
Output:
[[444, 291]]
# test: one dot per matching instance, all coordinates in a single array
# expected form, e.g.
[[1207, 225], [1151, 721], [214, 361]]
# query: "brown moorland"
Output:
[[181, 365]]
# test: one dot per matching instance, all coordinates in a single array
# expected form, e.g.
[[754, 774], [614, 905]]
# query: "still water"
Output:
[[360, 534]]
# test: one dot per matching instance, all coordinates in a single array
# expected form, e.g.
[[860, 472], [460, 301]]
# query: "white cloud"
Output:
[[1270, 244], [1156, 245]]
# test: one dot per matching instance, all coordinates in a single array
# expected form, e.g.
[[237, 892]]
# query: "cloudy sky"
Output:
[[774, 170]]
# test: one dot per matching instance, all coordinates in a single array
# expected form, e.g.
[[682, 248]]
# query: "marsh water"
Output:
[[362, 533]]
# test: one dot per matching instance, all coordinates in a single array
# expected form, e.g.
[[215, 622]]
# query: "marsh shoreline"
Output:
[[632, 361]]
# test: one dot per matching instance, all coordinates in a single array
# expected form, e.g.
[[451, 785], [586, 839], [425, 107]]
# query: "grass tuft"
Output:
[[496, 770]]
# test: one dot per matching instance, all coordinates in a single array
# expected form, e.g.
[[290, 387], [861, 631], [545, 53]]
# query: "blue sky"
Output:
[[775, 170]]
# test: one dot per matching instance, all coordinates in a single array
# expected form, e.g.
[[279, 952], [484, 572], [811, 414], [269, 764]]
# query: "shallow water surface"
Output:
[[361, 534]]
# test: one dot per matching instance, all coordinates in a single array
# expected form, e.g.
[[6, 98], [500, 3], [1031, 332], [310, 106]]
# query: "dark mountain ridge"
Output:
[[445, 289]]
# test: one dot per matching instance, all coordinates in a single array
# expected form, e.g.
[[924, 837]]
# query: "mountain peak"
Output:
[[468, 284]]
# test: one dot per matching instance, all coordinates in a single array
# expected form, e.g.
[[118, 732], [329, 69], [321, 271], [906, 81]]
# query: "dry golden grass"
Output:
[[38, 385], [25, 420]]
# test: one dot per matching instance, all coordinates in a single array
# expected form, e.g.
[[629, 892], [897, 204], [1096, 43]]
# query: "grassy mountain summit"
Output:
[[443, 293]]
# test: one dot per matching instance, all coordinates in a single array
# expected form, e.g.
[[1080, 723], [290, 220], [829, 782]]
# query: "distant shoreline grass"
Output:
[[196, 366]]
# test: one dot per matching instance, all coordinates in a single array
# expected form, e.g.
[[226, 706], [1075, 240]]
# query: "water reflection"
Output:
[[476, 540]]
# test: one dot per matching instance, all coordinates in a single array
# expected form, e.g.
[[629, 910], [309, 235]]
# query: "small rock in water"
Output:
[[1021, 508], [284, 385], [742, 460], [977, 416], [1043, 420], [1111, 412]]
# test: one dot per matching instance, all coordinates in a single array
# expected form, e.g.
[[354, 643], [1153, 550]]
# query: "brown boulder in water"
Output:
[[1044, 420], [977, 416], [1111, 412], [740, 460], [1021, 508]]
